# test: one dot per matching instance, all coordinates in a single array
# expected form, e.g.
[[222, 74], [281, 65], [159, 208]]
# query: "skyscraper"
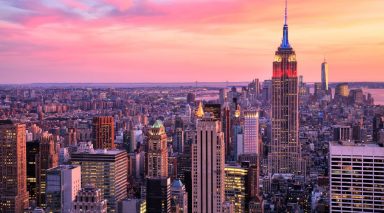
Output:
[[158, 183], [324, 75], [251, 132], [106, 170], [13, 167], [208, 166], [103, 131], [157, 153], [47, 158], [284, 147]]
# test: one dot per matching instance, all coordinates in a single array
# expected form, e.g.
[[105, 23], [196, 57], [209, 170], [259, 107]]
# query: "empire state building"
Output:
[[285, 152]]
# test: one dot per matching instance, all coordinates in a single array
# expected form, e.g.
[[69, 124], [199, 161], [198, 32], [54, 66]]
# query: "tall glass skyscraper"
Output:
[[324, 75], [284, 148]]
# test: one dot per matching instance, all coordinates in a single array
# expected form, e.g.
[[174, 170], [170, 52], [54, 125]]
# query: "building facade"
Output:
[[13, 167], [103, 132], [107, 170], [208, 158], [356, 177], [89, 199]]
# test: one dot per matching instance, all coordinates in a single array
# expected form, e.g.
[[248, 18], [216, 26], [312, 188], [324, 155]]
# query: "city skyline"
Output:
[[154, 41]]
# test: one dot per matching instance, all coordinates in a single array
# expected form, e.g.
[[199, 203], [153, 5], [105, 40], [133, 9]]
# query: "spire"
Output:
[[285, 43], [199, 112]]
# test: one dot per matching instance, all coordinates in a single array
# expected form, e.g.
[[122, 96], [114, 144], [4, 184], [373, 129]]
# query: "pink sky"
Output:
[[186, 40]]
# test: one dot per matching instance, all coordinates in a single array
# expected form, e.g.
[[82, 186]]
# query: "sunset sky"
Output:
[[186, 40]]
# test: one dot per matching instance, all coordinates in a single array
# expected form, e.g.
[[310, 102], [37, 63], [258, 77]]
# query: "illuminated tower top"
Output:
[[285, 42]]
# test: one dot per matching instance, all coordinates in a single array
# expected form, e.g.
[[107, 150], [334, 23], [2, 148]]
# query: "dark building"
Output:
[[32, 153], [191, 98], [215, 109], [159, 195], [378, 124]]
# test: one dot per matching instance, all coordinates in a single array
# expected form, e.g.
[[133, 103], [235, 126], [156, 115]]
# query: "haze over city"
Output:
[[185, 40]]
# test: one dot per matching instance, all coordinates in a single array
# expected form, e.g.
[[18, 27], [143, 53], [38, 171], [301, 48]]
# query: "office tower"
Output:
[[47, 158], [157, 153], [324, 75], [284, 147], [89, 199], [103, 132], [106, 170], [342, 90], [179, 140], [267, 90], [251, 143], [356, 96], [13, 167], [132, 141], [318, 89], [158, 198], [32, 153], [226, 121], [242, 187], [356, 177], [236, 180], [254, 87], [208, 166], [179, 196], [63, 183]]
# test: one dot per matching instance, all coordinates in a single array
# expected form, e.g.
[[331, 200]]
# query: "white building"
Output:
[[251, 133], [356, 177], [63, 183], [208, 166]]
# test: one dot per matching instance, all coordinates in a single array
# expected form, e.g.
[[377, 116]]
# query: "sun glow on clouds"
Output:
[[185, 40]]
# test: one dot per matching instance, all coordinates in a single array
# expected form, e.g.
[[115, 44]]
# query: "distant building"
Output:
[[32, 153], [63, 183], [342, 90], [89, 199], [13, 167], [324, 75], [103, 132], [191, 98], [356, 177], [134, 206]]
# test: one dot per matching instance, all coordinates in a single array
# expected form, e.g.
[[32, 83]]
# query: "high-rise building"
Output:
[[342, 90], [226, 121], [106, 170], [13, 167], [63, 183], [208, 166], [356, 177], [285, 150], [89, 199], [179, 140], [157, 153], [47, 158], [324, 75], [236, 180], [179, 196], [377, 126], [158, 198], [103, 132], [251, 143], [32, 153]]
